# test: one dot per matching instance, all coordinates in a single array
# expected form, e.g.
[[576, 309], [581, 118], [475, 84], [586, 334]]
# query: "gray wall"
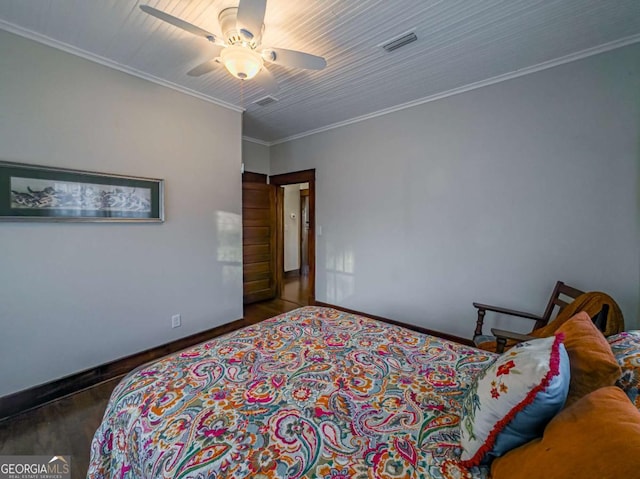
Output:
[[255, 157], [77, 295], [491, 195]]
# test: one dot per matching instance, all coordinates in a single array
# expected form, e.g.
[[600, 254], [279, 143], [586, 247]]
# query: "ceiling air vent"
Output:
[[400, 41], [267, 100]]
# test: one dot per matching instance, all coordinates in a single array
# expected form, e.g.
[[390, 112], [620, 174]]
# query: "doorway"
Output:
[[295, 236], [304, 231], [295, 284]]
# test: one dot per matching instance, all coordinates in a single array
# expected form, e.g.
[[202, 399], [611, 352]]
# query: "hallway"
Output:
[[296, 289]]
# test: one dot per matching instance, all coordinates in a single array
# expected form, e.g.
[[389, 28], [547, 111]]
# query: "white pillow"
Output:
[[513, 399]]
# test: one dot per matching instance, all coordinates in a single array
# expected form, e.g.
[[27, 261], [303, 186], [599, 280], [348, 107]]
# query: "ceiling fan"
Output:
[[241, 51]]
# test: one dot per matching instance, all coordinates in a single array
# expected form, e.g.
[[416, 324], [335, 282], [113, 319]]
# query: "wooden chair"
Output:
[[502, 336], [561, 296]]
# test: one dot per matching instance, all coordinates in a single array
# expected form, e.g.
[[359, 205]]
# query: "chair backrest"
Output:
[[561, 296]]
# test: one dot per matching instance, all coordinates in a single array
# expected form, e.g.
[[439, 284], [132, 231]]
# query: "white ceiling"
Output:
[[460, 43]]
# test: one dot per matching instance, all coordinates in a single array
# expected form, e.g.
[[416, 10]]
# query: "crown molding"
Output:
[[623, 42], [26, 33], [31, 35], [256, 141]]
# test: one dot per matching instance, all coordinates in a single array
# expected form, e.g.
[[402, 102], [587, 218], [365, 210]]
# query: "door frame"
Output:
[[304, 176]]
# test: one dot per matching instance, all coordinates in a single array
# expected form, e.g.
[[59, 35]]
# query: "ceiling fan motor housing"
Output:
[[227, 19]]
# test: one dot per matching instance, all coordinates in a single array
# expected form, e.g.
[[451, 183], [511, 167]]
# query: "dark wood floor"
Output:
[[66, 426], [296, 290]]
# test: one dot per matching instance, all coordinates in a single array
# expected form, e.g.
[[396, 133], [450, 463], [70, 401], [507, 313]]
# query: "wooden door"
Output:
[[258, 242]]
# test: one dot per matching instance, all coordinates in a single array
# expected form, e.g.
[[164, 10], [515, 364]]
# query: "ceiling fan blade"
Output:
[[177, 22], [266, 80], [203, 68], [292, 58], [250, 18]]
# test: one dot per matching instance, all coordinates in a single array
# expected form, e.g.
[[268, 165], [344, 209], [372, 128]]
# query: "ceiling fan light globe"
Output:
[[241, 62]]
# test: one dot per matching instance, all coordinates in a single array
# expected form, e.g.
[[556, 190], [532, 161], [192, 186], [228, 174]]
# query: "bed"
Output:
[[314, 393]]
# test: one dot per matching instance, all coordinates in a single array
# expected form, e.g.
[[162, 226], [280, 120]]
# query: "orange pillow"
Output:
[[593, 364], [597, 437]]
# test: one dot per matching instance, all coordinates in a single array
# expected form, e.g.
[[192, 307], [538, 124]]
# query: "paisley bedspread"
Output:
[[314, 393]]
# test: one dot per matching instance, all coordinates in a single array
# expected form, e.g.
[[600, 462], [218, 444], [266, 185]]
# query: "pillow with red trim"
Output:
[[512, 401]]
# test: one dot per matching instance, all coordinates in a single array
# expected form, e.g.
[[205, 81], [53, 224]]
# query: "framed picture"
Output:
[[42, 193]]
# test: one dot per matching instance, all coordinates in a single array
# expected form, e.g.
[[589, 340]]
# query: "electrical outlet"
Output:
[[176, 321]]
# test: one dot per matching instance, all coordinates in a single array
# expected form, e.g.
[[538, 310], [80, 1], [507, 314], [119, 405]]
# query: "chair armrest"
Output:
[[502, 336], [501, 333], [510, 312]]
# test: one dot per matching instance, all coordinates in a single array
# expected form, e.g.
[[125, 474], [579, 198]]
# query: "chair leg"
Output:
[[501, 343], [479, 323]]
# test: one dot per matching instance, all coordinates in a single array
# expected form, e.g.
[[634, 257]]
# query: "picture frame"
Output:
[[43, 193]]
